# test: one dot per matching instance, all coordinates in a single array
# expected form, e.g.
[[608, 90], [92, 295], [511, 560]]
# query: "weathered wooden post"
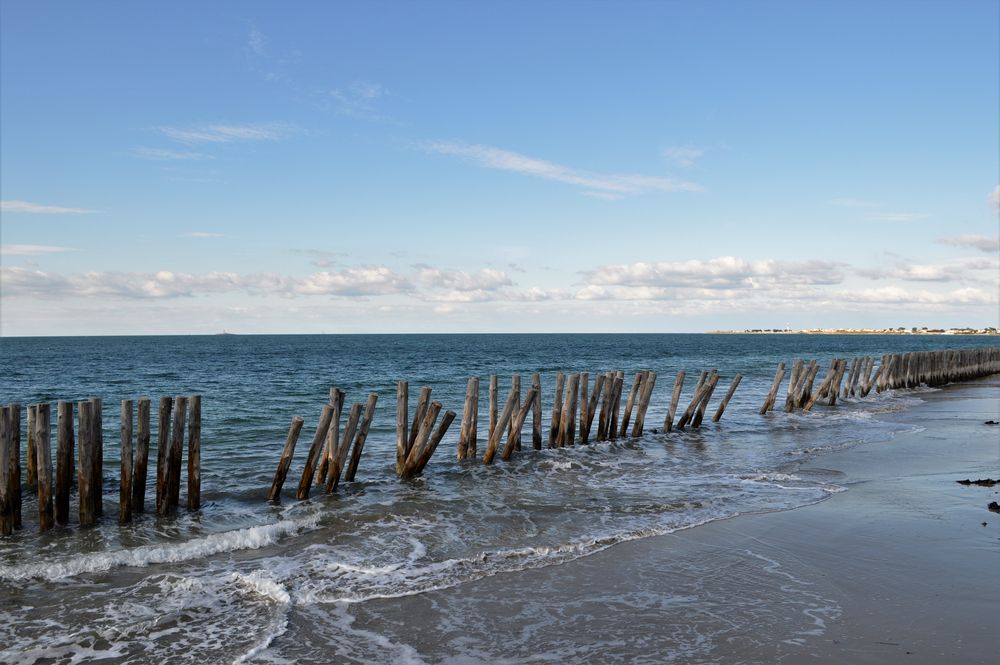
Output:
[[588, 422], [515, 387], [64, 460], [286, 459], [807, 384], [668, 422], [584, 390], [470, 417], [616, 403], [793, 385], [557, 406], [331, 446], [312, 457], [125, 480], [773, 393], [194, 453], [15, 462], [699, 414], [176, 451], [141, 458], [569, 416], [630, 402], [536, 412], [518, 420], [604, 418], [418, 417], [85, 463], [402, 423], [432, 444], [493, 405], [423, 437], [494, 442], [725, 400], [699, 394], [162, 452], [645, 394], [333, 478], [32, 477], [43, 464], [359, 440], [6, 472], [98, 425], [837, 378]]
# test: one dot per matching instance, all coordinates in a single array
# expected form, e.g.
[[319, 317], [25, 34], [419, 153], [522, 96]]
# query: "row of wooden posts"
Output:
[[88, 442]]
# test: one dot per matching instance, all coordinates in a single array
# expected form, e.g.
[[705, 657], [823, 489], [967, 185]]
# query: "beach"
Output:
[[900, 567]]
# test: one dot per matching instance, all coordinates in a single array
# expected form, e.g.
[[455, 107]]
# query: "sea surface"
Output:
[[242, 580]]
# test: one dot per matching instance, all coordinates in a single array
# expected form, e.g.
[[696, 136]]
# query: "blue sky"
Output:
[[447, 167]]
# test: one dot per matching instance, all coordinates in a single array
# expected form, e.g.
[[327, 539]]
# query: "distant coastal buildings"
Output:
[[860, 331]]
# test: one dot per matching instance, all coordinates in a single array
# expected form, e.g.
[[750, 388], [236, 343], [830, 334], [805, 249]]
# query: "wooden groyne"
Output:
[[86, 440]]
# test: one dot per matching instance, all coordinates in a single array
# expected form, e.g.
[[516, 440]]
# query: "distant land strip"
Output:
[[859, 331]]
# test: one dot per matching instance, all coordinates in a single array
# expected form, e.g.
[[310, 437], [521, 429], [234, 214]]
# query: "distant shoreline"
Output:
[[863, 331]]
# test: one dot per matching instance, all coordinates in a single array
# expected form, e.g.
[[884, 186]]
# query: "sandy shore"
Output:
[[901, 567]]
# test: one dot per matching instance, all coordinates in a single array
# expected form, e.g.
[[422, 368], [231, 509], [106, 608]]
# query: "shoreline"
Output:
[[900, 566]]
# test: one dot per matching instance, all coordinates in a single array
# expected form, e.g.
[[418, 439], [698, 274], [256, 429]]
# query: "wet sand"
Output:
[[900, 567]]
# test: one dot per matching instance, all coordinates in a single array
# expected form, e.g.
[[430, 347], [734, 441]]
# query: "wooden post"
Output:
[[807, 384], [536, 412], [569, 416], [557, 406], [699, 395], [515, 387], [418, 417], [141, 458], [330, 448], [493, 406], [773, 393], [333, 478], [668, 422], [286, 459], [312, 457], [711, 382], [823, 389], [584, 401], [616, 403], [470, 413], [402, 422], [630, 403], [64, 460], [359, 440], [6, 472], [194, 453], [432, 444], [423, 436], [32, 476], [648, 383], [519, 419], [838, 377], [85, 463], [725, 400], [587, 423], [176, 451], [98, 425], [605, 416], [793, 385], [43, 465], [15, 462], [162, 452], [125, 472], [494, 442]]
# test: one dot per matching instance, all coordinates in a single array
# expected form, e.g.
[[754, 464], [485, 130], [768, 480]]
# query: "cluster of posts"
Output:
[[87, 440]]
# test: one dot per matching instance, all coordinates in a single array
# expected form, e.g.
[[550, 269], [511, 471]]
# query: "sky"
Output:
[[355, 167]]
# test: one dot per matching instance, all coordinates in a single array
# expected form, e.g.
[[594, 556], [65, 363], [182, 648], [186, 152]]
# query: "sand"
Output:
[[903, 566]]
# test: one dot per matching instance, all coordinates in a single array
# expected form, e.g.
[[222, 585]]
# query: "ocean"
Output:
[[244, 581]]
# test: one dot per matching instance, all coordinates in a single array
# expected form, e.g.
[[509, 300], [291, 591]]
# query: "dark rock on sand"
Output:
[[982, 482], [994, 507]]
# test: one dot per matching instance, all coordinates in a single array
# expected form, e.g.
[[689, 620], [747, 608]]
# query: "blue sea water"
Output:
[[225, 583]]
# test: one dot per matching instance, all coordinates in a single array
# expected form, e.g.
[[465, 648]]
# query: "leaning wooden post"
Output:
[[668, 422], [536, 412], [402, 422], [605, 416], [470, 411], [194, 453], [176, 451], [15, 461], [43, 465], [162, 451], [699, 394], [822, 390], [807, 384], [725, 400], [835, 385], [423, 436], [333, 478], [85, 463], [648, 383], [432, 443], [418, 417], [793, 385], [64, 460], [569, 415], [32, 477], [630, 402], [286, 459], [141, 458], [125, 473], [312, 458], [518, 420], [6, 472], [711, 382], [773, 393], [557, 405], [98, 425], [616, 403], [494, 442], [330, 448], [493, 405], [359, 440], [515, 387], [588, 422], [584, 402]]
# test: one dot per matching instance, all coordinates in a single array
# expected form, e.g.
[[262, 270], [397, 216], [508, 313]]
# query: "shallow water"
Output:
[[241, 580]]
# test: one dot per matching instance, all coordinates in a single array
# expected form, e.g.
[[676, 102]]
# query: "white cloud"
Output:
[[952, 271], [486, 279], [994, 198], [683, 156], [162, 155], [989, 244], [32, 250], [603, 186], [255, 42], [229, 133], [718, 273], [40, 209], [897, 216]]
